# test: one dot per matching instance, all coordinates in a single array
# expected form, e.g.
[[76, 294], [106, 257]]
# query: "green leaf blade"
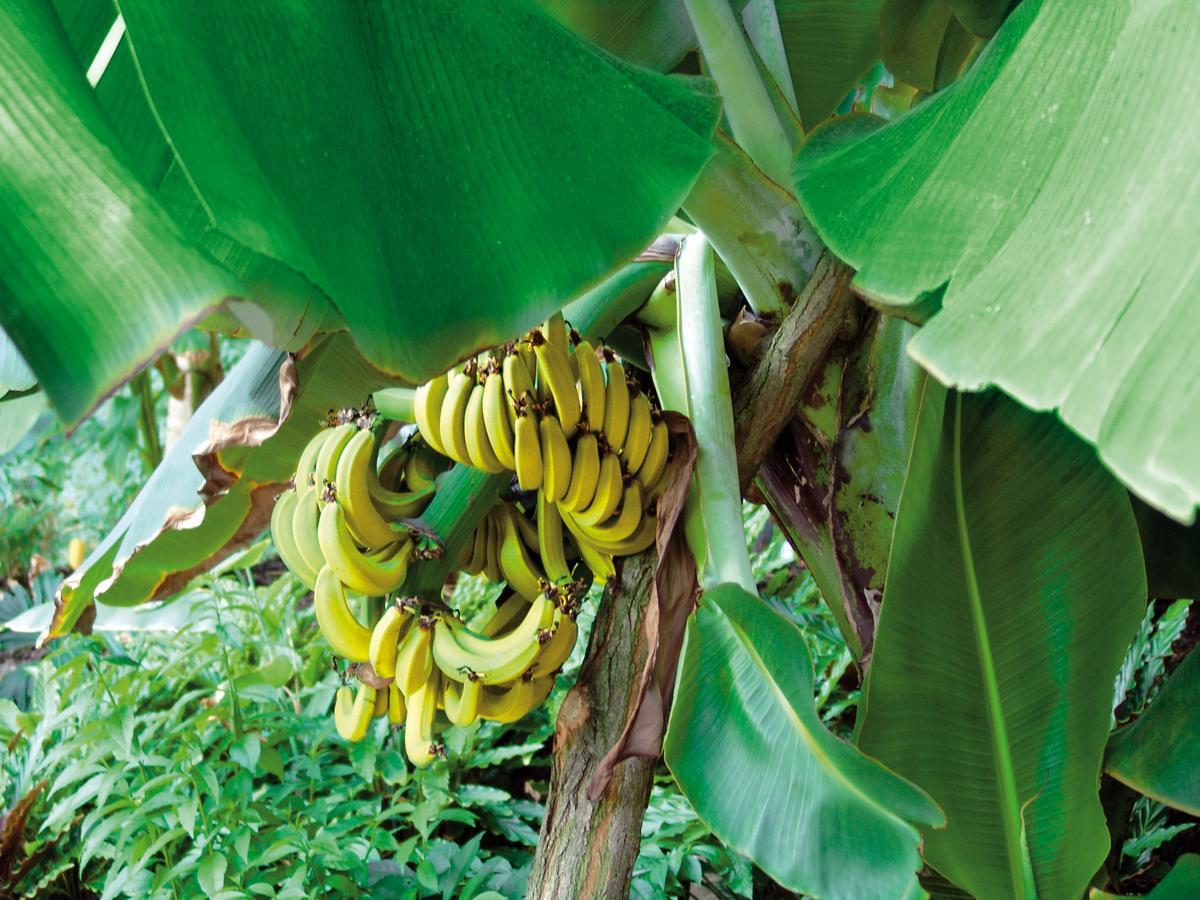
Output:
[[1003, 624], [747, 747]]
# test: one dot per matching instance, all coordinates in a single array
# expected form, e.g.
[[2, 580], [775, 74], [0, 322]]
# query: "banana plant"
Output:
[[386, 199]]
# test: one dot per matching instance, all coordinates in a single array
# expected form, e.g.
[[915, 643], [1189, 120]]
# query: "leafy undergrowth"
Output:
[[201, 759]]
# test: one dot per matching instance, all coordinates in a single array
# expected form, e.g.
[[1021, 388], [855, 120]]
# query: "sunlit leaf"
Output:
[[748, 748], [1053, 195], [1004, 622]]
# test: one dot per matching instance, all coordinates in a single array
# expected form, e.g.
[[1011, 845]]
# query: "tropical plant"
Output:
[[542, 292]]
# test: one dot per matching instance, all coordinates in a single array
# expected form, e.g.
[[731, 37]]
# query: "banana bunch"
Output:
[[571, 424], [414, 663], [346, 516]]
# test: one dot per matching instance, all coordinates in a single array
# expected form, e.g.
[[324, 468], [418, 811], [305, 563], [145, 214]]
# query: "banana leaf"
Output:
[[1014, 588], [1040, 214]]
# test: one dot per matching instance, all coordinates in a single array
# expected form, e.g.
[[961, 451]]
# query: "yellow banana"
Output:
[[600, 562], [591, 385], [308, 458], [609, 489], [621, 526], [517, 384], [325, 467], [555, 371], [640, 540], [508, 612], [427, 409], [555, 330], [496, 420], [556, 458], [419, 743], [352, 713], [525, 528], [453, 422], [585, 472], [385, 639], [346, 635], [397, 709], [527, 449], [414, 659], [550, 540], [391, 471], [557, 650], [616, 402], [285, 542], [479, 445], [637, 438], [423, 467], [520, 571], [373, 575], [464, 655], [352, 481], [305, 515], [524, 352], [513, 703], [655, 462], [462, 700], [381, 703]]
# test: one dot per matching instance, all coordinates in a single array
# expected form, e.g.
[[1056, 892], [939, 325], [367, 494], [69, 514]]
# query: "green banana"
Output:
[[325, 467], [591, 385], [346, 635], [479, 445], [517, 384], [452, 425], [305, 516], [385, 639], [495, 418], [550, 540], [461, 700], [637, 438], [655, 462], [352, 483], [308, 458], [519, 569], [464, 655], [419, 742], [285, 542], [527, 449], [514, 702], [427, 409], [374, 575], [616, 402], [352, 714], [414, 659]]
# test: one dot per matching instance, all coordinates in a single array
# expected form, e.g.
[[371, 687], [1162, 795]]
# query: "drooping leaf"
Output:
[[1055, 204], [1181, 883], [446, 173], [747, 747], [1015, 585], [923, 42], [94, 276], [214, 491], [1158, 754]]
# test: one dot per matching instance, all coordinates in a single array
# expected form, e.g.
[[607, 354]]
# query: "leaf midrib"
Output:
[[1010, 806]]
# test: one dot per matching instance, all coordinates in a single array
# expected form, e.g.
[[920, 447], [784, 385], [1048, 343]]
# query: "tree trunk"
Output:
[[588, 850]]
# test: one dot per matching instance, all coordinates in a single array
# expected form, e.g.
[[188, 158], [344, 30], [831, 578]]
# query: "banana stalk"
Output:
[[396, 403]]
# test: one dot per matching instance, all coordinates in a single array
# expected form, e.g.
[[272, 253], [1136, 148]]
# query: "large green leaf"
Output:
[[1158, 754], [1181, 883], [1053, 194], [747, 747], [214, 491], [656, 34], [94, 276], [448, 173], [1014, 587]]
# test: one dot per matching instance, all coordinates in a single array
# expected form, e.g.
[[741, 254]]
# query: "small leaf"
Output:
[[211, 873]]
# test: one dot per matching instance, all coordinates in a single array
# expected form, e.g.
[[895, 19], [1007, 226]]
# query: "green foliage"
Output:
[[1070, 286]]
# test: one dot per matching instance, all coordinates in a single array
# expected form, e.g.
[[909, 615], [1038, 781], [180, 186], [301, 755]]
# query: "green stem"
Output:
[[748, 106], [598, 312], [395, 403], [756, 227], [151, 448]]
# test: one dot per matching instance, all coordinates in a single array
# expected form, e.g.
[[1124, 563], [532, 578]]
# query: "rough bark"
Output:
[[587, 849]]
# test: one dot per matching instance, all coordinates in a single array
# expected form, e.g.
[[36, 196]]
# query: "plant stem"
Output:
[[756, 227], [752, 114], [598, 312], [395, 403], [139, 386], [702, 347]]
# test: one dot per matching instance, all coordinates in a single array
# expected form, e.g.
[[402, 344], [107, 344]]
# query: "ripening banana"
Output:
[[600, 562], [591, 385], [556, 458], [557, 650], [585, 473], [556, 332], [520, 570], [550, 540], [637, 437], [491, 550], [620, 526], [419, 742], [373, 575], [616, 402], [352, 481], [640, 540], [381, 703], [346, 635], [461, 700], [453, 424], [655, 462], [423, 467], [308, 458], [527, 448], [305, 516], [474, 556], [397, 710], [463, 654], [555, 371], [385, 638], [514, 702], [479, 445], [509, 612], [285, 542], [414, 659], [517, 384], [427, 410], [352, 713], [325, 467], [609, 490], [496, 418], [391, 470]]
